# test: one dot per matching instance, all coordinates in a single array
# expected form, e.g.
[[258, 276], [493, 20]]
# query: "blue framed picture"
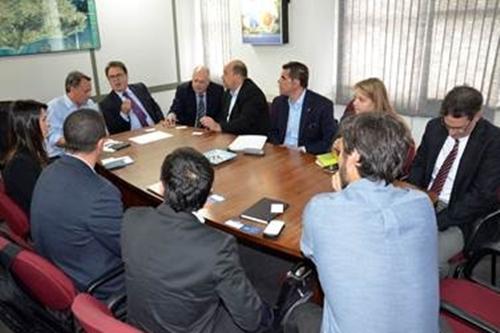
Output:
[[264, 22], [30, 26]]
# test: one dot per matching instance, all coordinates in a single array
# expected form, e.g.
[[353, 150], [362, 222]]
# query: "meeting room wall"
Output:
[[140, 33]]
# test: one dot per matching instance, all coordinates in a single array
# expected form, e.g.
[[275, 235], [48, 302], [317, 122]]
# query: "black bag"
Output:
[[19, 312], [295, 290]]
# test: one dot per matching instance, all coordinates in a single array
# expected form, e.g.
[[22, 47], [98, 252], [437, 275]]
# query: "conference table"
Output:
[[284, 174]]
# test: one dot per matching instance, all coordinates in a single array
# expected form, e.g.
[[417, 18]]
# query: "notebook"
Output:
[[264, 210]]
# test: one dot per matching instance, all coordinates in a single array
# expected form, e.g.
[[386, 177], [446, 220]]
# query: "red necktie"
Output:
[[443, 172], [137, 111]]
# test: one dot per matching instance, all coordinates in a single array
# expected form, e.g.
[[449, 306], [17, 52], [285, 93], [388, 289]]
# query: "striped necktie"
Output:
[[444, 170], [136, 109], [200, 110]]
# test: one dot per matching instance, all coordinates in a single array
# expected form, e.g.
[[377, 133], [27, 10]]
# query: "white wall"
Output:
[[311, 36], [140, 33]]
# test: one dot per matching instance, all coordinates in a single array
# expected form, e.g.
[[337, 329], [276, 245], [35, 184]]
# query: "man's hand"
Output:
[[126, 106], [170, 120], [211, 124], [61, 142]]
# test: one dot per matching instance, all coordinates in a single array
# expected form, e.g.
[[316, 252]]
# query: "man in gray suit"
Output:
[[75, 213], [181, 275]]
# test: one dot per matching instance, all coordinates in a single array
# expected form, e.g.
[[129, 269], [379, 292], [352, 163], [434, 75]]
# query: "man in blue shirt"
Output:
[[78, 89], [374, 245], [300, 117]]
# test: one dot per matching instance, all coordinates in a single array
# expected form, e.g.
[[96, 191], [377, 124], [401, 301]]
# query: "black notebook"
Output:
[[261, 210]]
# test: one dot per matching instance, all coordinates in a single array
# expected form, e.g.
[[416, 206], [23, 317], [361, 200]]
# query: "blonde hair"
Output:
[[375, 90]]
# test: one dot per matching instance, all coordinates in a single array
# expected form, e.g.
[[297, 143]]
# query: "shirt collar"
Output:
[[68, 102], [81, 159], [299, 100], [199, 217], [236, 91]]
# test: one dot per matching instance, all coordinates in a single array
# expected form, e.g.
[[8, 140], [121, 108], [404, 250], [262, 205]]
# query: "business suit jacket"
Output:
[[110, 107], [250, 114], [75, 222], [186, 276], [19, 176], [317, 125], [184, 104], [478, 175]]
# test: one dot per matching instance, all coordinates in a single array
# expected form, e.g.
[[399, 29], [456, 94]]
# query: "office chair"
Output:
[[16, 220], [41, 291], [484, 232], [95, 317], [469, 306]]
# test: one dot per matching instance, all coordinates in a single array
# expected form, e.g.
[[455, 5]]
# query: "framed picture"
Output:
[[28, 27], [264, 22]]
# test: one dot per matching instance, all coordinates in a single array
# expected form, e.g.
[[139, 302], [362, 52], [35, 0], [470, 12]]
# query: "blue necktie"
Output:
[[137, 111]]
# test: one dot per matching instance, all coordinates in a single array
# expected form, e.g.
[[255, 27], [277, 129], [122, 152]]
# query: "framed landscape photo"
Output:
[[264, 22], [41, 26]]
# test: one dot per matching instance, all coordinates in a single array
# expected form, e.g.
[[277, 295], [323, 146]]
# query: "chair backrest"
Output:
[[484, 231], [41, 280], [16, 219], [95, 317], [467, 306]]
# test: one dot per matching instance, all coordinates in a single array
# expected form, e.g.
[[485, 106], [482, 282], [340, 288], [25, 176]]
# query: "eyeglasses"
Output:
[[117, 76]]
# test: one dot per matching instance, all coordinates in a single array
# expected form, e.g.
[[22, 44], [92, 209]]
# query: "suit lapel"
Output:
[[304, 113], [469, 160], [439, 139]]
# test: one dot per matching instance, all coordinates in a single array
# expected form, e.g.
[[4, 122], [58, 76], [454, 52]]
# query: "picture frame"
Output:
[[264, 22], [31, 27]]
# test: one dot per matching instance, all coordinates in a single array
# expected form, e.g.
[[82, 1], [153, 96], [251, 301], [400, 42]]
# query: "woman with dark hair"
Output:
[[25, 156]]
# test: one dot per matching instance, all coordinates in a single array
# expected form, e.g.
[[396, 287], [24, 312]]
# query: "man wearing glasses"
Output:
[[459, 162], [127, 107]]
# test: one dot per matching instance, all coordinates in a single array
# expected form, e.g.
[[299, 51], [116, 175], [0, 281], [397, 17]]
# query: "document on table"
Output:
[[150, 137], [243, 142]]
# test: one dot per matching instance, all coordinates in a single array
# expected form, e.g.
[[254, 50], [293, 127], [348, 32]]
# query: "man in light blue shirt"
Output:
[[374, 245], [301, 118], [78, 90]]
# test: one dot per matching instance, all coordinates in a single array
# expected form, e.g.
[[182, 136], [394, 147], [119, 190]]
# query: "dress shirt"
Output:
[[58, 109], [445, 194], [293, 125], [375, 250], [134, 121], [234, 96]]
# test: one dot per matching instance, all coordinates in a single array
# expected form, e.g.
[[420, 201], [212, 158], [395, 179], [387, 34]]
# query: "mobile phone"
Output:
[[274, 228], [253, 151]]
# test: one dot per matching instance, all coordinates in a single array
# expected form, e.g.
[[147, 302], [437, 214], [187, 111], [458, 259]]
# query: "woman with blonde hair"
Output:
[[370, 95]]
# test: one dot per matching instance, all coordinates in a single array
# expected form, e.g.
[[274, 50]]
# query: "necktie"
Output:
[[200, 110], [136, 109], [444, 170]]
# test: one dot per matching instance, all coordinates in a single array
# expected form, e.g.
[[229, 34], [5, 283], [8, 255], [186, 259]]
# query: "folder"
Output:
[[261, 211]]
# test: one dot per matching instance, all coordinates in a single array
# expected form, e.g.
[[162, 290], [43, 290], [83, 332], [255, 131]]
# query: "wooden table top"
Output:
[[283, 174]]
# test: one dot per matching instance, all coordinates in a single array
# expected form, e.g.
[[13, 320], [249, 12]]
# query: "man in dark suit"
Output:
[[459, 161], [195, 99], [75, 213], [300, 117], [127, 107], [188, 278], [244, 106]]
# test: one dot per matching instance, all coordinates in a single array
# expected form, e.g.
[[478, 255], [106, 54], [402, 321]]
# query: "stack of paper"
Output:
[[243, 142], [150, 137]]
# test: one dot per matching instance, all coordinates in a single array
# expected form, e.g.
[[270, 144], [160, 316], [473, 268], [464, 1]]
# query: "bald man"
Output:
[[244, 107], [195, 99]]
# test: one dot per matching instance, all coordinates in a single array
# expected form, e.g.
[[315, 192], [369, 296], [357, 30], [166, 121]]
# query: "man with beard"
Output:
[[374, 245]]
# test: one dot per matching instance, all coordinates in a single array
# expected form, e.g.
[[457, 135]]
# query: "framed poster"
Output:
[[264, 22], [41, 26]]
